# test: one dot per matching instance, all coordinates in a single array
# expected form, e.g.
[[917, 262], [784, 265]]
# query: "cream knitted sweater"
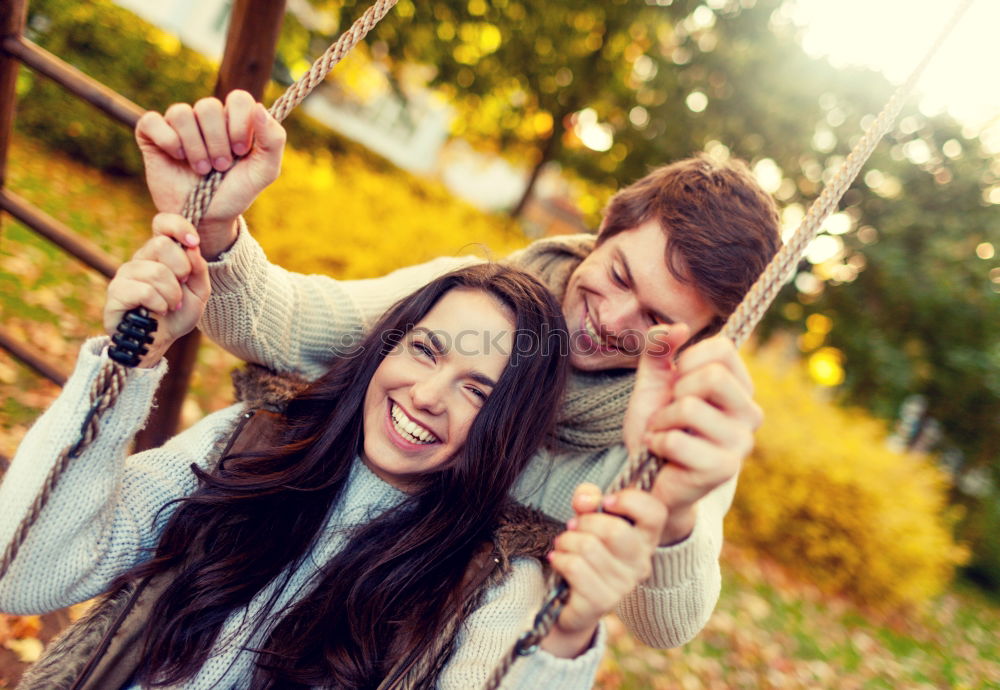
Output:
[[300, 323], [105, 511]]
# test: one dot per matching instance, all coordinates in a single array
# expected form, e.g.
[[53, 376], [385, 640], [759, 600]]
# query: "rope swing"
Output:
[[640, 469]]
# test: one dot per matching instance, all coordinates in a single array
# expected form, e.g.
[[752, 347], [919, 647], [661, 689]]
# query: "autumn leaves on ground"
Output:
[[839, 514]]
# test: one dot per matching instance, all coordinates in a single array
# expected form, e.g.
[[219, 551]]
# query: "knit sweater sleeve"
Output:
[[491, 630], [675, 603], [297, 323], [103, 515]]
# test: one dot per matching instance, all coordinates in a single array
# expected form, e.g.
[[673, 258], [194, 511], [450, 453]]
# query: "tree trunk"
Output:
[[546, 154]]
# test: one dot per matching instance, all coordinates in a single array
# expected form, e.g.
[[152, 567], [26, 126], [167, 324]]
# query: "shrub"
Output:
[[112, 45], [980, 527], [823, 495]]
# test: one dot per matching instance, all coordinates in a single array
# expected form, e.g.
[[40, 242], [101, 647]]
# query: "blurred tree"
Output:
[[516, 71]]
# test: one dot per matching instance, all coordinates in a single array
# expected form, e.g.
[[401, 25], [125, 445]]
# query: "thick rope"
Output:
[[200, 198], [103, 392], [111, 377], [640, 469], [759, 298]]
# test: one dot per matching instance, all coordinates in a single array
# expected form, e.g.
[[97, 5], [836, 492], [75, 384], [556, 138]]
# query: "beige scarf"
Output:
[[594, 406]]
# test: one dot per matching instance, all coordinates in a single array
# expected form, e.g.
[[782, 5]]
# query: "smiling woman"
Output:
[[363, 537]]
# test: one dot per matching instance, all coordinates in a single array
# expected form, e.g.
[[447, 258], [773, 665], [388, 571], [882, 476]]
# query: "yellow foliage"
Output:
[[824, 495], [342, 217]]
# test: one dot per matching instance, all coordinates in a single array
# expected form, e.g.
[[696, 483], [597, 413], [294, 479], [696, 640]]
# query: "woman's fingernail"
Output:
[[573, 522], [202, 167], [610, 501], [222, 164], [239, 148], [178, 307], [191, 239]]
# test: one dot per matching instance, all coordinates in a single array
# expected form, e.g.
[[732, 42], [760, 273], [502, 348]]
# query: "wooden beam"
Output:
[[22, 351], [12, 17], [58, 233], [110, 102], [251, 44]]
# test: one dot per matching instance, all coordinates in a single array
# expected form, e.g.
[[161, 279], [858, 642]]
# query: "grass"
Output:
[[770, 631]]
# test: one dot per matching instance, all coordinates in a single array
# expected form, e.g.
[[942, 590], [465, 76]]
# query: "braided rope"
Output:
[[640, 468], [749, 312], [198, 200], [103, 392], [111, 377]]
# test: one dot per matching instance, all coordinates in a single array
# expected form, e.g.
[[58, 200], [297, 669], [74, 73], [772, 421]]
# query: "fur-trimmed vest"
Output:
[[101, 651]]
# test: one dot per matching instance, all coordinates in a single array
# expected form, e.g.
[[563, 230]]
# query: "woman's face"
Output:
[[426, 392]]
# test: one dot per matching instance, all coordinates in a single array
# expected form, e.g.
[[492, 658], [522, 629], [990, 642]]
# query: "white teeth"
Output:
[[408, 428], [591, 331]]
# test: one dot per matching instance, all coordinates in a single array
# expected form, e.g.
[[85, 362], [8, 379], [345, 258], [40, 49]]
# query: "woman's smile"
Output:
[[406, 432]]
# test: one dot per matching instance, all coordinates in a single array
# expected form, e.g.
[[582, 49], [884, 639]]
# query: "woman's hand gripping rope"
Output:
[[168, 277], [605, 552]]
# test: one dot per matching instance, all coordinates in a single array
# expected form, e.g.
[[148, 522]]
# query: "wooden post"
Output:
[[12, 17], [251, 44], [59, 234]]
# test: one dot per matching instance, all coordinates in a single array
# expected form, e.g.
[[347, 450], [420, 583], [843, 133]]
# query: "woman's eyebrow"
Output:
[[439, 347], [479, 377], [432, 337]]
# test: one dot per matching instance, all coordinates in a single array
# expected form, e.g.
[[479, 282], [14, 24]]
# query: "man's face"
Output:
[[618, 292]]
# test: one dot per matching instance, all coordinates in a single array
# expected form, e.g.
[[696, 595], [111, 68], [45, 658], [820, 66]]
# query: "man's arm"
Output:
[[262, 313], [298, 323], [674, 604], [698, 414]]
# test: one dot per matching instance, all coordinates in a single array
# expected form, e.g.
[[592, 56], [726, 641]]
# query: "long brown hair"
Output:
[[391, 588]]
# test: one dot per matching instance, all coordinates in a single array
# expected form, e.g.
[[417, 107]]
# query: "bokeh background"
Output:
[[862, 550]]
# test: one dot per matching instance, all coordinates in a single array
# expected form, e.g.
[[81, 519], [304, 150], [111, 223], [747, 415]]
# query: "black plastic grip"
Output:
[[135, 332]]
